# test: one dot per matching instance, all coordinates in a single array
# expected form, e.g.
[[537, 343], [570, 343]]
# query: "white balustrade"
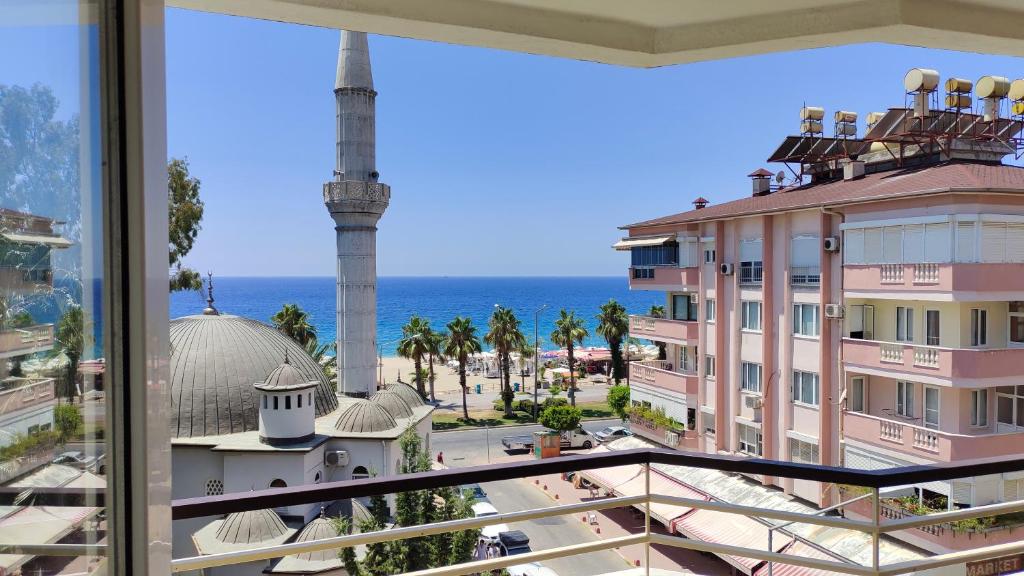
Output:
[[926, 439], [891, 273], [891, 431], [926, 357], [890, 352], [926, 273]]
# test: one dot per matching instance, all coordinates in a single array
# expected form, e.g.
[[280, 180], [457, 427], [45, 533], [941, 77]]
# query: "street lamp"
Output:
[[536, 356]]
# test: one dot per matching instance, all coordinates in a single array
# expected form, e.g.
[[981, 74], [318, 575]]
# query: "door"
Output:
[[1016, 324], [931, 407], [931, 326]]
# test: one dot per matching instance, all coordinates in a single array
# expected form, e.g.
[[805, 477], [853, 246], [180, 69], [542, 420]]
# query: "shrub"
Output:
[[561, 417], [618, 400], [555, 389], [548, 402], [67, 420]]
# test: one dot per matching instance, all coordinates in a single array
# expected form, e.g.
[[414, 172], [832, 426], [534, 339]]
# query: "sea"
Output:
[[438, 299]]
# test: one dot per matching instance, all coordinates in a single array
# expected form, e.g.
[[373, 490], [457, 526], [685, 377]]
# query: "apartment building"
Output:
[[866, 312]]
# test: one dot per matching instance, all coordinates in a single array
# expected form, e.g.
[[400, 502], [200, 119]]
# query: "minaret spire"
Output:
[[356, 201]]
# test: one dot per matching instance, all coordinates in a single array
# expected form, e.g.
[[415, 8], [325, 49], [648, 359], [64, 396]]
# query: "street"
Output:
[[476, 446]]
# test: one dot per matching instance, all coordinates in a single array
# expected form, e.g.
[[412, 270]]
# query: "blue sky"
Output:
[[500, 163]]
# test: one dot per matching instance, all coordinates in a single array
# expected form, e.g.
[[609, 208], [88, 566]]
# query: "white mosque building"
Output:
[[252, 410]]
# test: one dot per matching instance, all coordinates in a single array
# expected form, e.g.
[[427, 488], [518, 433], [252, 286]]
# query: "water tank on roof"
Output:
[[992, 87], [921, 80]]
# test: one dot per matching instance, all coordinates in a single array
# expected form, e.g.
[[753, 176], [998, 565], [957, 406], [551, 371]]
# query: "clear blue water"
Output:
[[438, 299]]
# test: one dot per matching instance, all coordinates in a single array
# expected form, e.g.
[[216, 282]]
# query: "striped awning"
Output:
[[630, 243], [801, 550]]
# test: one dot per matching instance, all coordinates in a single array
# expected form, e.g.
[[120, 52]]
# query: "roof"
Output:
[[408, 393], [365, 416], [285, 378], [52, 241], [946, 177], [760, 173], [38, 525], [393, 403], [214, 362], [241, 530], [353, 62], [312, 562]]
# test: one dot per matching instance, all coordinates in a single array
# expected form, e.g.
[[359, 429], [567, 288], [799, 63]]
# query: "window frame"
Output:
[[861, 394], [905, 324], [746, 316], [978, 327], [744, 444], [709, 367], [799, 314], [979, 408], [798, 390], [748, 369], [710, 310], [905, 398], [932, 319]]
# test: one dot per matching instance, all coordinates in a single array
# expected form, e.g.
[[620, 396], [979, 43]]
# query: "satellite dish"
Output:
[[780, 177]]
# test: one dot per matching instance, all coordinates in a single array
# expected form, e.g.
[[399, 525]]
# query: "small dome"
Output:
[[407, 393], [393, 403], [285, 377], [365, 416], [318, 529], [251, 527]]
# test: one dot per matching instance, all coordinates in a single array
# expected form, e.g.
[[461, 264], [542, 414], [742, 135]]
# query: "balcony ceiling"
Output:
[[648, 33]]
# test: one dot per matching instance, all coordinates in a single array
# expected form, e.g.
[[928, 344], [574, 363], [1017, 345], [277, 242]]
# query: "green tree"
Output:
[[569, 331], [464, 541], [343, 526], [378, 560], [618, 400], [411, 554], [659, 312], [434, 342], [293, 322], [67, 421], [71, 338], [413, 346], [326, 355], [506, 337], [461, 342], [561, 417], [613, 326], [185, 213]]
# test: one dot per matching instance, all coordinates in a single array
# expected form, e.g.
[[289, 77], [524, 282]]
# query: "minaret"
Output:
[[356, 202]]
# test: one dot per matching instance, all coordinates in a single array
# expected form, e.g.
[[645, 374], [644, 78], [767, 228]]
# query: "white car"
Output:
[[489, 534], [612, 433], [481, 509]]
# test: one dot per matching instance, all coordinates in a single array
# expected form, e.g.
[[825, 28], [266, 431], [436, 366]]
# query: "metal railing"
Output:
[[751, 273], [805, 276], [873, 480]]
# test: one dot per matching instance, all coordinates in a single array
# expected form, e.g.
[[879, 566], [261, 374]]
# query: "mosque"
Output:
[[252, 410]]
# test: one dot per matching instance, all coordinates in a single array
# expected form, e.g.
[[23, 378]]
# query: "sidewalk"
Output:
[[617, 522]]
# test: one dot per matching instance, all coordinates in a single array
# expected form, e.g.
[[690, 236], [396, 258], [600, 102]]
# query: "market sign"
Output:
[[996, 566]]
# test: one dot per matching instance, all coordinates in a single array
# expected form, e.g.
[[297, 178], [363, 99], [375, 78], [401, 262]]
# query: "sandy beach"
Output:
[[446, 380]]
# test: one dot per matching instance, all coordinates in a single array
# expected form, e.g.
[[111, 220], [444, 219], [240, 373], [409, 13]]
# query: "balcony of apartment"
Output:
[[904, 436], [750, 273], [660, 374], [957, 280], [805, 276], [23, 341], [663, 277], [682, 332], [678, 498], [934, 364], [670, 435], [17, 279]]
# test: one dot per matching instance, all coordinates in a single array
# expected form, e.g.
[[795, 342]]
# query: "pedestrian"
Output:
[[440, 458]]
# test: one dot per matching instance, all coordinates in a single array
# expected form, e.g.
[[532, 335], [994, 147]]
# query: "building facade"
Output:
[[869, 314]]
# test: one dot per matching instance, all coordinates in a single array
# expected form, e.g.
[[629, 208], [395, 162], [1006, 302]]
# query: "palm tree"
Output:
[[460, 342], [569, 331], [326, 355], [613, 326], [413, 346], [293, 322], [434, 342], [72, 337], [659, 312], [506, 337]]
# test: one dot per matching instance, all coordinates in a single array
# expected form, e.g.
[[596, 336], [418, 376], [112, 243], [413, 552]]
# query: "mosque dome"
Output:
[[393, 403], [319, 529], [407, 393], [285, 377], [365, 416], [251, 527], [216, 359]]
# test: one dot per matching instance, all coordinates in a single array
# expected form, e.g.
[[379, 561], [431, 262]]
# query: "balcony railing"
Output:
[[805, 276], [970, 365], [751, 273], [874, 527], [909, 438], [660, 373], [662, 328], [26, 340], [27, 396]]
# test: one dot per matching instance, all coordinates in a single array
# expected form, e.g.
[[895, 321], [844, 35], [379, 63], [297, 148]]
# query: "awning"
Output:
[[661, 484], [630, 243], [39, 525], [726, 528], [802, 550], [613, 477], [51, 241]]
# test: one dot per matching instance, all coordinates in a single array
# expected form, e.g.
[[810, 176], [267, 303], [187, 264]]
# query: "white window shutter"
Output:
[[1015, 242], [892, 244], [750, 250], [937, 243], [805, 251], [853, 246], [913, 243], [965, 242], [993, 242], [872, 245]]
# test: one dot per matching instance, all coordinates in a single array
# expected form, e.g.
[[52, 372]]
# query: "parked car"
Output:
[[488, 534], [82, 461], [612, 433], [473, 490], [578, 438], [481, 509], [512, 542]]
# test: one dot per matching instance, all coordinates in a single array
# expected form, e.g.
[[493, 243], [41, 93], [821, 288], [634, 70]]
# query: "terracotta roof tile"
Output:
[[946, 177]]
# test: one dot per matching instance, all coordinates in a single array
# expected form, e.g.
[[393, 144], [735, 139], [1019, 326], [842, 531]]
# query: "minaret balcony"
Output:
[[356, 195]]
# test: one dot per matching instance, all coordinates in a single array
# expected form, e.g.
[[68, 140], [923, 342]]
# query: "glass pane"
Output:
[[52, 369], [1004, 409], [1017, 329]]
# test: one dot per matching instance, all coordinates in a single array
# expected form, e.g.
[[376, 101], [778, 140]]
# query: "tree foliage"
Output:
[[461, 342], [506, 337], [67, 422], [185, 214], [613, 326], [618, 400], [561, 417], [293, 322], [72, 337], [569, 331], [414, 345]]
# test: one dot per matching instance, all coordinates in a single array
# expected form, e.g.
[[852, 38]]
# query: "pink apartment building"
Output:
[[868, 314]]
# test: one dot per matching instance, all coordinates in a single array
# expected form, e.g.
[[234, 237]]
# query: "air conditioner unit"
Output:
[[834, 311], [831, 244], [753, 402], [672, 438], [726, 269], [337, 458]]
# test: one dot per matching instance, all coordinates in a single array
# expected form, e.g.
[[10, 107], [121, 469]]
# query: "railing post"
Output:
[[875, 534], [647, 520]]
